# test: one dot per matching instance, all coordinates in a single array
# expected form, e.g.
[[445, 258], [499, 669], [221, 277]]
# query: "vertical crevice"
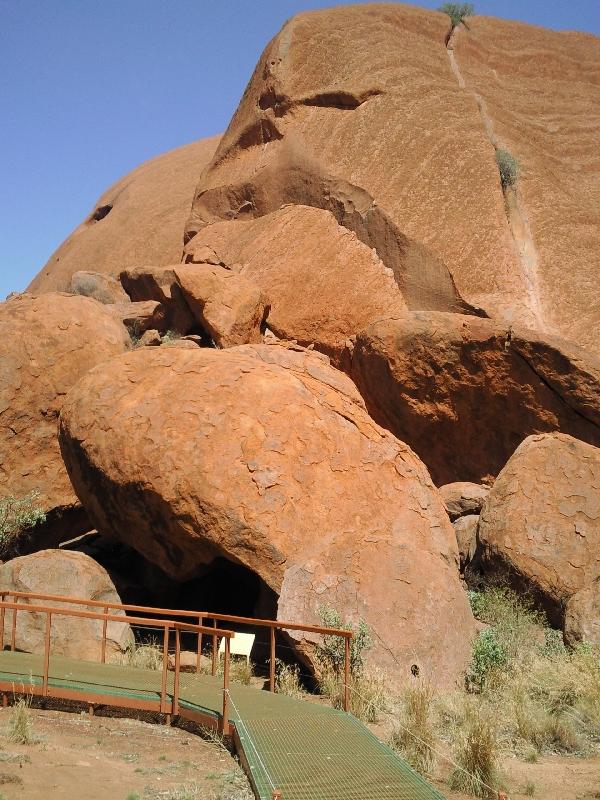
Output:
[[514, 206]]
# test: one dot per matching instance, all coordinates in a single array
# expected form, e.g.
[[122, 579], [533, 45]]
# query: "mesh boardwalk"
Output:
[[305, 750]]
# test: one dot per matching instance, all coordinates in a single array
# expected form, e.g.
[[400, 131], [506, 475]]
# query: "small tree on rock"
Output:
[[457, 11]]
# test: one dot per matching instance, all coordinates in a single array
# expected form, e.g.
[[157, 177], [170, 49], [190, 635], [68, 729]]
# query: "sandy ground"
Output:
[[108, 758]]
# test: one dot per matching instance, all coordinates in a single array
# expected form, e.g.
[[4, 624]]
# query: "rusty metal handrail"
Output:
[[272, 625], [165, 708]]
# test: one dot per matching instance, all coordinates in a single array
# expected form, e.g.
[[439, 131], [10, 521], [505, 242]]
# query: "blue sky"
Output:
[[88, 90]]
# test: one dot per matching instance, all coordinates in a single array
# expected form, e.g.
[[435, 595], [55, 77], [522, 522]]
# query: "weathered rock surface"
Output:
[[141, 316], [463, 498], [139, 220], [230, 308], [46, 344], [150, 338], [541, 92], [99, 287], [398, 152], [324, 284], [64, 573], [464, 392], [582, 616], [465, 529], [160, 285], [266, 456], [540, 526]]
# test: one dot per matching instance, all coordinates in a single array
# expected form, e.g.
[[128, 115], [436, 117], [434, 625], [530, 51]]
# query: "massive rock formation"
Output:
[[539, 95], [139, 220], [46, 344], [267, 457], [464, 392], [540, 526], [67, 574]]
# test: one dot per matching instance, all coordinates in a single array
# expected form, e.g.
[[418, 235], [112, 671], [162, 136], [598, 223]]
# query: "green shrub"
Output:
[[508, 167], [457, 11], [331, 651], [489, 656], [17, 515]]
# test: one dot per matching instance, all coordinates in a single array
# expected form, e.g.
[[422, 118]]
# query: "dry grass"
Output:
[[19, 726], [240, 670], [143, 656], [476, 754], [414, 732], [287, 680], [368, 692]]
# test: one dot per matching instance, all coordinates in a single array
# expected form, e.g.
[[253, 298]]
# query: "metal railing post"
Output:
[[2, 614], [176, 675], [163, 688], [346, 672], [272, 661], [214, 649], [104, 628], [224, 725], [199, 654], [13, 638], [47, 653]]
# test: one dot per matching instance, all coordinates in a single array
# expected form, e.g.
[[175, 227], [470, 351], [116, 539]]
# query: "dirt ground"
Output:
[[108, 758], [115, 758]]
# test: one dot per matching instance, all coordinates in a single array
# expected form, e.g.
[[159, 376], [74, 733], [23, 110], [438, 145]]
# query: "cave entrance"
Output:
[[220, 587]]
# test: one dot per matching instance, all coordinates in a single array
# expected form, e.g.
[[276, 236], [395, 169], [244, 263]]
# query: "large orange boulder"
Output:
[[464, 392], [67, 574], [139, 220], [323, 283], [540, 526], [46, 344], [266, 457]]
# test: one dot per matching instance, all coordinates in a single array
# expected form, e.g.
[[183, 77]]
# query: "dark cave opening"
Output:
[[220, 587]]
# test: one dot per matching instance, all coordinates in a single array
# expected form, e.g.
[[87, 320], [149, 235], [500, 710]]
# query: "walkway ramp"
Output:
[[305, 750]]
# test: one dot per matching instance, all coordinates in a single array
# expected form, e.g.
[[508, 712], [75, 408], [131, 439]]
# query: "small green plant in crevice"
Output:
[[19, 727], [171, 336], [457, 12], [508, 166], [17, 516]]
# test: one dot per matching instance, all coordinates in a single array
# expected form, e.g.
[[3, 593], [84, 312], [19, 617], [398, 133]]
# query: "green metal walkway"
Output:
[[305, 750]]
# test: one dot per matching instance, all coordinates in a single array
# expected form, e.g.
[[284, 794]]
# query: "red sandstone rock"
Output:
[[540, 526], [144, 214], [465, 392], [160, 285], [582, 616], [99, 287], [462, 498], [64, 573], [46, 344], [324, 284], [141, 316], [465, 529], [230, 308], [266, 456]]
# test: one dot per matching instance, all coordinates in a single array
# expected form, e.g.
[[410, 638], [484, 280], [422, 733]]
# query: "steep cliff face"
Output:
[[138, 220], [540, 92]]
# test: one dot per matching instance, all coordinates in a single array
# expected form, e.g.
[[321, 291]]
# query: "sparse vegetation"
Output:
[[457, 11], [17, 516], [240, 670], [414, 735], [508, 167], [19, 726], [476, 755], [331, 651], [287, 679], [143, 656], [170, 336]]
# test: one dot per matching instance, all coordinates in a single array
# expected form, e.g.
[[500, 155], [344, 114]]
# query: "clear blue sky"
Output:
[[89, 89]]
